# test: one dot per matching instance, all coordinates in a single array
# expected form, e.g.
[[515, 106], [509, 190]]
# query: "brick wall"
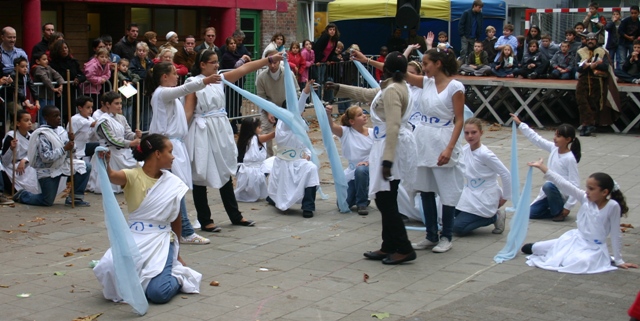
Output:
[[74, 27], [11, 15], [284, 22]]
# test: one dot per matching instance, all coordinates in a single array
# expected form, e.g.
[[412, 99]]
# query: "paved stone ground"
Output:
[[315, 266]]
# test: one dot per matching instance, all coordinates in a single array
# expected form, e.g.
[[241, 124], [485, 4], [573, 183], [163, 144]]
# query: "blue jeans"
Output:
[[623, 52], [358, 188], [465, 222], [187, 229], [164, 286], [431, 217], [550, 206], [625, 76], [49, 189], [613, 54], [556, 74]]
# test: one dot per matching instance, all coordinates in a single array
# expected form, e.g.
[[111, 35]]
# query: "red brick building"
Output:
[[83, 20]]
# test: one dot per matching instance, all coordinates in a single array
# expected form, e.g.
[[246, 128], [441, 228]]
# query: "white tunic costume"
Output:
[[83, 132], [121, 158], [405, 160], [252, 183], [582, 250], [210, 144], [482, 193], [356, 148], [434, 121], [563, 164], [169, 119], [291, 172], [27, 180], [150, 226]]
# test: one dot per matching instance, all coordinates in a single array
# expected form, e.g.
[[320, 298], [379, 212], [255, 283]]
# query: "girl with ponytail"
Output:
[[584, 250], [565, 153]]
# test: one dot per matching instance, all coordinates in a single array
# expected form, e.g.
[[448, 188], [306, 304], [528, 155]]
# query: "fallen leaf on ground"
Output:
[[24, 295], [184, 297], [83, 249], [623, 229], [214, 283], [88, 317], [626, 225], [495, 127], [19, 225], [69, 265], [4, 286], [58, 273], [67, 254], [365, 277], [37, 219], [380, 315], [295, 237]]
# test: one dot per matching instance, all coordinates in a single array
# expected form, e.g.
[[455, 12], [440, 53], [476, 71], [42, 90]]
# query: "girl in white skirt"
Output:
[[584, 250], [481, 196], [252, 151]]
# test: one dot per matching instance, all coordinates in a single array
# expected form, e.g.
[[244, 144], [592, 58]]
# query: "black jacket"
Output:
[[320, 44], [464, 26], [125, 49], [61, 65], [39, 48]]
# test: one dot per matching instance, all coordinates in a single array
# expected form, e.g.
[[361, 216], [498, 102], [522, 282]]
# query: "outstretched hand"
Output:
[[539, 164], [330, 85], [515, 119], [359, 56]]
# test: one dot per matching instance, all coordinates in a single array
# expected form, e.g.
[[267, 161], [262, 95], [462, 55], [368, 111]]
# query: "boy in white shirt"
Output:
[[82, 124]]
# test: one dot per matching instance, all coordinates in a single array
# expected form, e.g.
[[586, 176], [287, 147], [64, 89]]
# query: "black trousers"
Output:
[[394, 235], [228, 200]]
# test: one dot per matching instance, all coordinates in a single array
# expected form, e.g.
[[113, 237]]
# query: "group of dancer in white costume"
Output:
[[418, 110]]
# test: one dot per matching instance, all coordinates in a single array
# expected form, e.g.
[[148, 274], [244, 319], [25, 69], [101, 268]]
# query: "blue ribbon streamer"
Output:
[[366, 75], [515, 176], [340, 181], [290, 93], [124, 249], [420, 54], [519, 224]]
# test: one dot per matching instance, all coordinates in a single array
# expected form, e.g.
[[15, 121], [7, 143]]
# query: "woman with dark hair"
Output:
[[232, 59], [392, 156], [210, 143], [151, 38], [277, 43], [61, 61], [324, 49]]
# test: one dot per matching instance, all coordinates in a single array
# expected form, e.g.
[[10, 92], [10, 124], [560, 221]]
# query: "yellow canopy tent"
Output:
[[367, 9]]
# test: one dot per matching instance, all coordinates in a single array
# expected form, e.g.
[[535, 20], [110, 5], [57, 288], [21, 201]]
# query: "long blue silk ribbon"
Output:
[[124, 249], [366, 75], [519, 224], [340, 181], [515, 176]]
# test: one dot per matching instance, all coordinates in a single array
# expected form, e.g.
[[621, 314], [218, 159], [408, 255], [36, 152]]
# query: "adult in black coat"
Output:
[[470, 27]]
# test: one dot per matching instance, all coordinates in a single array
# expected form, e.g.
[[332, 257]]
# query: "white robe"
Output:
[[405, 160], [356, 148], [291, 173], [563, 164], [27, 180], [582, 250], [481, 194], [84, 133], [252, 183], [169, 119], [210, 142], [150, 226], [121, 158]]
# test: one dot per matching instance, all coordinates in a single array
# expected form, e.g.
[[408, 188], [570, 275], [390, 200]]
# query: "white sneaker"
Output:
[[196, 224], [636, 81], [194, 239], [443, 246], [501, 217], [423, 245]]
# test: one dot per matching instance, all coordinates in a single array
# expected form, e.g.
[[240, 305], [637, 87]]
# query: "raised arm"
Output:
[[335, 128], [532, 136], [235, 74], [563, 185]]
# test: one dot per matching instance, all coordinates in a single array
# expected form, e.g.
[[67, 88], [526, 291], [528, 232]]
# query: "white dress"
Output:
[[582, 250], [252, 182], [150, 226], [405, 160], [563, 164], [291, 172], [121, 158], [210, 144], [29, 179], [356, 148], [482, 193], [83, 133], [169, 119], [434, 121]]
